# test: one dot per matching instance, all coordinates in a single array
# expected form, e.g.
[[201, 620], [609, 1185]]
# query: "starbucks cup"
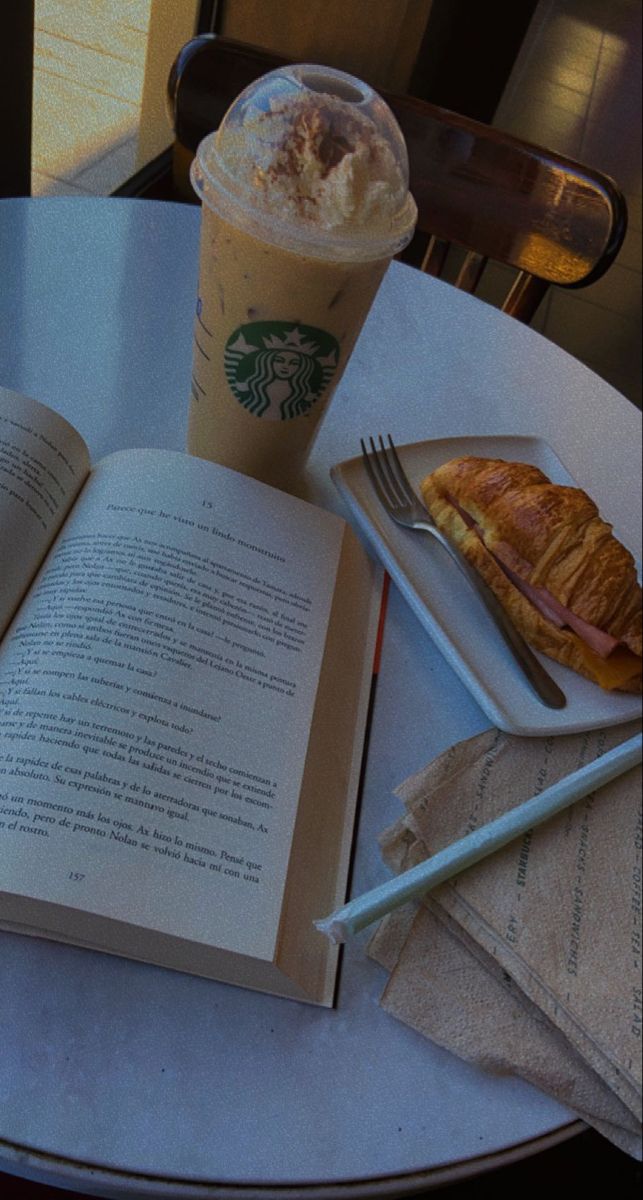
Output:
[[305, 200]]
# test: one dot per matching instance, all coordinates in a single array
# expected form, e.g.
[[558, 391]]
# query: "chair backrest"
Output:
[[493, 196]]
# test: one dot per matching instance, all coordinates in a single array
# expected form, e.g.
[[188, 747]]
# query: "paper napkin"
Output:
[[528, 962]]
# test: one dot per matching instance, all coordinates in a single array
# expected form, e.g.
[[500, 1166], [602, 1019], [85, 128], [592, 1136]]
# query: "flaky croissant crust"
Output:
[[560, 541]]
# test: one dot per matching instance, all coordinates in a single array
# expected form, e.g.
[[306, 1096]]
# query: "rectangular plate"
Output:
[[450, 611]]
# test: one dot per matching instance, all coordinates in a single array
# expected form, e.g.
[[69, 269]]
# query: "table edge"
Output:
[[48, 1169]]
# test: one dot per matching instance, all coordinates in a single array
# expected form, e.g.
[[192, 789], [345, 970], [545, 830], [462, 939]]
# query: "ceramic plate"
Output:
[[452, 614]]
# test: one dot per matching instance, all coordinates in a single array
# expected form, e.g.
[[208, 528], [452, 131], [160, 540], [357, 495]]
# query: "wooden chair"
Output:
[[493, 196]]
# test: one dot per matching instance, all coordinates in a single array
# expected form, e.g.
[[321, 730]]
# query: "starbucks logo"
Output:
[[279, 369]]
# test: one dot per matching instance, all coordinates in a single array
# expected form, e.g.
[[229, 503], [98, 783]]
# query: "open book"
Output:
[[185, 665]]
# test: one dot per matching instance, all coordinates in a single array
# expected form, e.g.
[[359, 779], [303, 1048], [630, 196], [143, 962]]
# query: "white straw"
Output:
[[477, 845]]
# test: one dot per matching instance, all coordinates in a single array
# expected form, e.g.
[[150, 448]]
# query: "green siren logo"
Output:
[[278, 369]]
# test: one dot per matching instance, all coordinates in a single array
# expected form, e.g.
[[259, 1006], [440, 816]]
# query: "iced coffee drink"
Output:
[[305, 200]]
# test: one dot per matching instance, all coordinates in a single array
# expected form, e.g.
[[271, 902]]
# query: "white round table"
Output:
[[122, 1079]]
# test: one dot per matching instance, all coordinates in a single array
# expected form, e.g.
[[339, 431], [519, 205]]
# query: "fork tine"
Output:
[[400, 474], [381, 468], [386, 468], [369, 460]]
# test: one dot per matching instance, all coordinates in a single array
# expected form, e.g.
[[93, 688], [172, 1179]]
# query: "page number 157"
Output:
[[76, 876]]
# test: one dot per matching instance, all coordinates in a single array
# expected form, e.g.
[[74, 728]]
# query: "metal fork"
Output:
[[393, 490]]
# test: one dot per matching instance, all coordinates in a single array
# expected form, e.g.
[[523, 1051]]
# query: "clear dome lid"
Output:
[[311, 158]]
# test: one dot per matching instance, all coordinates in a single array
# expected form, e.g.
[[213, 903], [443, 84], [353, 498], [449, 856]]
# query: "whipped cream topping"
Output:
[[318, 160]]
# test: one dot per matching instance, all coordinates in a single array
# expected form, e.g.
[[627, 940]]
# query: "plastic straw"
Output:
[[365, 909]]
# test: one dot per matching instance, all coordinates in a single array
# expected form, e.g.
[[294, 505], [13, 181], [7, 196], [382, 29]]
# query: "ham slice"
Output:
[[511, 563], [600, 642]]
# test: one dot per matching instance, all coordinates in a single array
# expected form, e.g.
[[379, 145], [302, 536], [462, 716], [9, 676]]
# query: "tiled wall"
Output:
[[576, 88]]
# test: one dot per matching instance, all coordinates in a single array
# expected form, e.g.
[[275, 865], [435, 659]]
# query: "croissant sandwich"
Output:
[[567, 583]]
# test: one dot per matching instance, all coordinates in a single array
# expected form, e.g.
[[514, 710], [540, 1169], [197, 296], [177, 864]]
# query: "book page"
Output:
[[158, 688], [43, 464]]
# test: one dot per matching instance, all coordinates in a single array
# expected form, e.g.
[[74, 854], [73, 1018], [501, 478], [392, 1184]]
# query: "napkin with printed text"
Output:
[[530, 961]]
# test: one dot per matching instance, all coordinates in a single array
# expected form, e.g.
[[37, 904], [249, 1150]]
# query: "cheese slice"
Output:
[[615, 671]]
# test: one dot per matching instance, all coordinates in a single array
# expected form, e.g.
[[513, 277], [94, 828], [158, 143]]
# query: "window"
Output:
[[99, 74]]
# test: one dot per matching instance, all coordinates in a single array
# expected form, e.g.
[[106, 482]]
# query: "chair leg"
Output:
[[525, 296], [469, 274], [435, 257]]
